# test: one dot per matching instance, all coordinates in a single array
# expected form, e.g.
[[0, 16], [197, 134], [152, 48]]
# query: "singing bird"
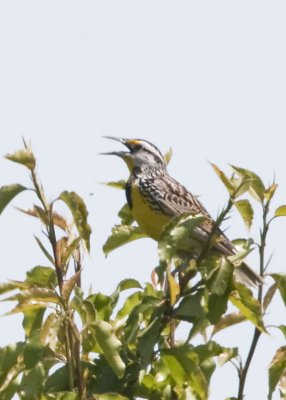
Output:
[[154, 198]]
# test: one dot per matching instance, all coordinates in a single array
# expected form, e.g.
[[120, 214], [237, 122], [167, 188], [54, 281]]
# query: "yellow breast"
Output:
[[150, 221]]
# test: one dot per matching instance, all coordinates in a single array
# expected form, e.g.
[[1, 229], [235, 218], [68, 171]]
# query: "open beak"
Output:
[[121, 154]]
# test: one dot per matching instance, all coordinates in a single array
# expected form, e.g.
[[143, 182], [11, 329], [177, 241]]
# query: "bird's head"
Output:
[[141, 154]]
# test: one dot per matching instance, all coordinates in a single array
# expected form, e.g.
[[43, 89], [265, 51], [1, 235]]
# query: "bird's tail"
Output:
[[247, 276]]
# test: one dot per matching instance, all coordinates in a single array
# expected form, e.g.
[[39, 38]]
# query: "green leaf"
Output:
[[190, 308], [35, 294], [217, 305], [276, 370], [103, 305], [69, 285], [50, 330], [32, 382], [270, 191], [227, 182], [42, 276], [175, 233], [9, 286], [269, 296], [7, 193], [69, 250], [227, 355], [57, 381], [42, 247], [132, 301], [168, 156], [32, 320], [26, 307], [148, 338], [125, 214], [121, 235], [126, 284], [246, 211], [280, 211], [174, 288], [227, 321], [182, 363], [222, 279], [253, 182], [24, 157], [79, 213], [9, 358], [280, 280], [110, 396], [110, 346], [248, 305], [117, 185]]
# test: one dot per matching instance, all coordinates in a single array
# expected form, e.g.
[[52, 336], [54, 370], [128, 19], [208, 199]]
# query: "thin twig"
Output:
[[257, 333]]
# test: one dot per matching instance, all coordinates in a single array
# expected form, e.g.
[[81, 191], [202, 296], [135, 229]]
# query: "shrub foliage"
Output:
[[91, 346]]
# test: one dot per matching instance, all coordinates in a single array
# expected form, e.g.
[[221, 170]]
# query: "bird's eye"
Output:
[[137, 147]]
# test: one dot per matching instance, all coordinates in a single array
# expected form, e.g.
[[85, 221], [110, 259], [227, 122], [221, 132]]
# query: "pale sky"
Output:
[[207, 78]]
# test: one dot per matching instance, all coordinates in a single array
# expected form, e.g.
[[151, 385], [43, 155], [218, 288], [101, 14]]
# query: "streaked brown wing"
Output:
[[171, 198]]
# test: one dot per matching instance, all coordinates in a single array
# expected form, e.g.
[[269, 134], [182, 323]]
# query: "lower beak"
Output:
[[121, 154]]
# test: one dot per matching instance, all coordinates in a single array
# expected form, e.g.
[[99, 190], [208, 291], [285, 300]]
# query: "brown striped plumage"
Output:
[[155, 198]]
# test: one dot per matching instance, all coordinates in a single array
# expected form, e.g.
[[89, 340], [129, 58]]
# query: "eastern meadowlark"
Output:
[[154, 198]]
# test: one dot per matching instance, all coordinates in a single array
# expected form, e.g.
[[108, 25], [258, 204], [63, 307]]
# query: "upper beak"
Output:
[[117, 153]]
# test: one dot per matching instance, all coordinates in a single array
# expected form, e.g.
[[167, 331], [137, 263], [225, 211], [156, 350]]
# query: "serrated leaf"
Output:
[[121, 235], [245, 210], [243, 299], [117, 185], [276, 370], [125, 214], [227, 321], [227, 182], [110, 346], [168, 156], [69, 285], [79, 213], [280, 211], [24, 157], [175, 233], [7, 193], [42, 276], [270, 191], [255, 185]]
